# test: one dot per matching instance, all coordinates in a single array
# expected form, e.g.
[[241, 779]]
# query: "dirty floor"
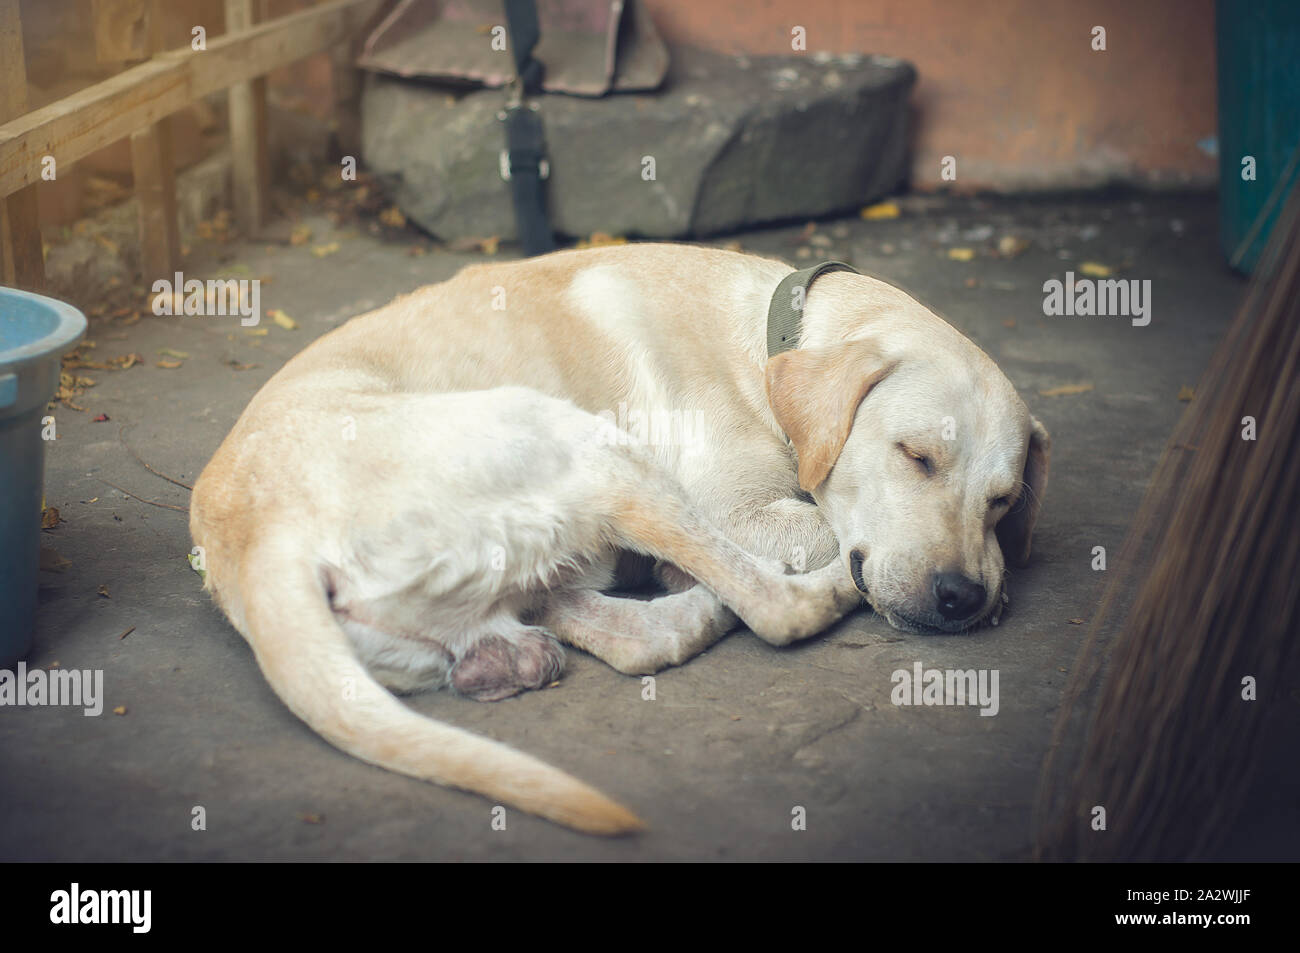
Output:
[[734, 741]]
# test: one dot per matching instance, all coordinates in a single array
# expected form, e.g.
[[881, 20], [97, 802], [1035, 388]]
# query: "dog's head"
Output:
[[924, 459]]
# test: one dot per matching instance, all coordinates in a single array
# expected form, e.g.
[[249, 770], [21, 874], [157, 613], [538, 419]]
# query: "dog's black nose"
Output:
[[957, 596]]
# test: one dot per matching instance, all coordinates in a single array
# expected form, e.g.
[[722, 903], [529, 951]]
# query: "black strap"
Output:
[[521, 21], [785, 313], [525, 152], [525, 140]]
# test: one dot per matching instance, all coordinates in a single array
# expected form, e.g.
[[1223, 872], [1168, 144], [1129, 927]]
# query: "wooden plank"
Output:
[[22, 261], [122, 31], [250, 167], [77, 125], [153, 171]]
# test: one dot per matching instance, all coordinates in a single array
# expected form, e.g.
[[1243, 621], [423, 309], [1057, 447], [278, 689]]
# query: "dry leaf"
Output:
[[1009, 246], [1009, 323], [1066, 389], [1186, 393], [172, 352], [1075, 621], [50, 517], [257, 332], [320, 251], [600, 240], [880, 210], [1095, 269], [961, 254], [393, 216], [282, 319], [120, 710], [313, 818], [167, 365], [103, 591], [301, 235]]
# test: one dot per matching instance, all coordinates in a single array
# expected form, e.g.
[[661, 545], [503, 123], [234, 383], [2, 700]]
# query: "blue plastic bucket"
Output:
[[35, 332]]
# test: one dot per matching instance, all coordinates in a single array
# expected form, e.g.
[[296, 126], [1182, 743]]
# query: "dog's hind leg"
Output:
[[498, 665], [634, 636]]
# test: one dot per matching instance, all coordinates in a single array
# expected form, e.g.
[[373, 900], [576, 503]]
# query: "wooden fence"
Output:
[[136, 103]]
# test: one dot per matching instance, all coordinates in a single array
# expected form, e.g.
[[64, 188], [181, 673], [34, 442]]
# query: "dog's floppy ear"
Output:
[[1016, 529], [814, 394]]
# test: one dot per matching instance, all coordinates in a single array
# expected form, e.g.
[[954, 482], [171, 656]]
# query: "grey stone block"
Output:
[[734, 142]]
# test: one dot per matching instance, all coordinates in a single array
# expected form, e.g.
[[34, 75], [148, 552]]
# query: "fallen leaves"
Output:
[[120, 710], [74, 385], [50, 517], [879, 211], [321, 251], [51, 561], [961, 254], [103, 591], [1186, 394], [282, 319], [487, 246], [1094, 269], [1010, 246], [1066, 390], [168, 365], [597, 240], [393, 217], [172, 352], [301, 235]]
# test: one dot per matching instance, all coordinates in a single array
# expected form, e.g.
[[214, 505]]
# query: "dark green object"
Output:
[[1259, 115], [784, 316]]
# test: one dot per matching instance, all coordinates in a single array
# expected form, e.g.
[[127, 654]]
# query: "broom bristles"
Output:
[[1171, 745]]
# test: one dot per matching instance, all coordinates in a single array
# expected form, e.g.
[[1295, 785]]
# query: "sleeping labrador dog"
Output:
[[442, 491]]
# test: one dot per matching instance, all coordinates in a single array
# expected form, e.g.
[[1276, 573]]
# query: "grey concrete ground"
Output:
[[737, 738]]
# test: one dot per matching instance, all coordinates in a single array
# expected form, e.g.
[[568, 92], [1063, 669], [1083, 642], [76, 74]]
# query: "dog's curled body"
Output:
[[435, 492], [521, 501]]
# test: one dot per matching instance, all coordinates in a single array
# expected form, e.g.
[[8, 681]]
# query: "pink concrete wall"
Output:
[[1012, 88]]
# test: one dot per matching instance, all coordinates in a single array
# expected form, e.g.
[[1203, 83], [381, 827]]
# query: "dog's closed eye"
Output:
[[922, 461]]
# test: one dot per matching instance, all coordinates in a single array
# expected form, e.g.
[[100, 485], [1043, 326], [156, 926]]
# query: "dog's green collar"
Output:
[[785, 313]]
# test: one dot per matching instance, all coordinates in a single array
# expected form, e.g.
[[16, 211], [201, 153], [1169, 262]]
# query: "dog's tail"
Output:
[[313, 669]]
